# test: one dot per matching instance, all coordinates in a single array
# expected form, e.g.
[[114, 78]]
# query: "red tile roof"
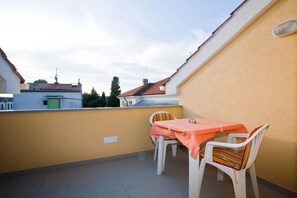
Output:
[[14, 69], [149, 89], [45, 87]]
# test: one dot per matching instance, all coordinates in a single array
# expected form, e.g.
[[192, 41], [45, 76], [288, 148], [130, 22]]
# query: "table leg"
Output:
[[160, 155], [194, 174]]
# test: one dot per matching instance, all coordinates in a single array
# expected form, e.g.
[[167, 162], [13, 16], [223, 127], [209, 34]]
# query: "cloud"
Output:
[[86, 47], [166, 57]]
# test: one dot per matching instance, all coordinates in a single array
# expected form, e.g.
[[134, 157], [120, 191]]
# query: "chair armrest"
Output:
[[232, 137], [210, 145]]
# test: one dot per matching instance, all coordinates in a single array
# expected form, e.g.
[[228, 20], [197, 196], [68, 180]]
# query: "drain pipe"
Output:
[[126, 101]]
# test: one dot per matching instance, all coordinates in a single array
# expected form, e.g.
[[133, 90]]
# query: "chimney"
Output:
[[145, 81]]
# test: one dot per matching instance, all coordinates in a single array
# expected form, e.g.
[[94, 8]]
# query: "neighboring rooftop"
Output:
[[55, 87], [147, 89], [14, 69]]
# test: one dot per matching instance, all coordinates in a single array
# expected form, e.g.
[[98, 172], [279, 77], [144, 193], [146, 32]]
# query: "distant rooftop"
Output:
[[54, 87], [147, 89]]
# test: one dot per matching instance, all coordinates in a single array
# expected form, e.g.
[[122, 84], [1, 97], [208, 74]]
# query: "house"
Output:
[[10, 78], [49, 96], [149, 94], [247, 72]]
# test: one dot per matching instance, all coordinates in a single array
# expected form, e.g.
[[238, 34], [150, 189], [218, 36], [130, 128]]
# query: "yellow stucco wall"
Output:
[[37, 139], [253, 80]]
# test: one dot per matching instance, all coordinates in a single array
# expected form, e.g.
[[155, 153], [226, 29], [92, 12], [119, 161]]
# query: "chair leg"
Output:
[[220, 175], [174, 148], [156, 150], [239, 184], [164, 155], [253, 176]]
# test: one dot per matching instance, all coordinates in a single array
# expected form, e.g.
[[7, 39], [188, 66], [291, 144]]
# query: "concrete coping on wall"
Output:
[[87, 109]]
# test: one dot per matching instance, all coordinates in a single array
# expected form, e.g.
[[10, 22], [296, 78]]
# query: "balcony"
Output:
[[60, 153]]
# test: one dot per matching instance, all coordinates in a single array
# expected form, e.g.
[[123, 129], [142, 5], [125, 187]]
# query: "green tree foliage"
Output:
[[92, 100], [103, 99], [115, 90], [86, 99], [40, 81]]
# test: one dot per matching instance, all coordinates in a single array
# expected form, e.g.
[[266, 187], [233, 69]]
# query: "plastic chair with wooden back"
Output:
[[225, 157], [160, 116]]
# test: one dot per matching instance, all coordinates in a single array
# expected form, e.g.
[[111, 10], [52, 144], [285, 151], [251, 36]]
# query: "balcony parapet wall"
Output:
[[40, 138]]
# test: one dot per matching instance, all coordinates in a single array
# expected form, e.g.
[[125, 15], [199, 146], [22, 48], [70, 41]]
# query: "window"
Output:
[[130, 103]]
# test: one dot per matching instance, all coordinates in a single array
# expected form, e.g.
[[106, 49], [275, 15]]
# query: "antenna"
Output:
[[56, 76]]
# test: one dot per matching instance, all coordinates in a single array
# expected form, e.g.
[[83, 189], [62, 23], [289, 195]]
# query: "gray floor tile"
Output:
[[132, 180], [6, 184], [82, 191], [53, 193], [55, 179], [26, 186], [177, 194], [108, 186], [99, 176], [133, 177], [264, 191], [143, 191], [116, 194], [80, 177]]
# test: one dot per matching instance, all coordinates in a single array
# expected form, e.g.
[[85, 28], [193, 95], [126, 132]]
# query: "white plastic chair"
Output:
[[160, 116], [227, 159]]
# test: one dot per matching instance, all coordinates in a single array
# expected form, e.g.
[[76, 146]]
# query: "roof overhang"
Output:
[[10, 78], [54, 97], [244, 15]]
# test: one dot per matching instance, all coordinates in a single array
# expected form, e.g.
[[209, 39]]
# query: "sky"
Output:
[[94, 40]]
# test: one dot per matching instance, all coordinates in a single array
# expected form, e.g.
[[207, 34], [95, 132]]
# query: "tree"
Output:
[[115, 90], [103, 99], [86, 99], [91, 100], [40, 81]]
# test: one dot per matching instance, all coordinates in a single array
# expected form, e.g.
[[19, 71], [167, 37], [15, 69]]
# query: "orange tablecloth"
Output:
[[192, 135]]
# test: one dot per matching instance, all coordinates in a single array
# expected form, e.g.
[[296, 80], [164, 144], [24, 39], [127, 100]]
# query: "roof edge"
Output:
[[247, 12], [14, 69]]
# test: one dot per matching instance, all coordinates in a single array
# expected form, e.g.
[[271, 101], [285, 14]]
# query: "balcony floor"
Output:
[[133, 176]]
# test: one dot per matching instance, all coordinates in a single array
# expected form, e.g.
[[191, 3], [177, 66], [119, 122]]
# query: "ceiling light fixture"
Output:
[[285, 28]]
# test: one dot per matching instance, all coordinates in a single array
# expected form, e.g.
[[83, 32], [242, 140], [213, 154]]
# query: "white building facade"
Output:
[[49, 96]]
